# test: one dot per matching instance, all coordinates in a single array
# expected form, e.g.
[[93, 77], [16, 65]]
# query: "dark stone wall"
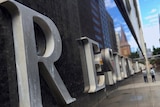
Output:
[[65, 15], [8, 78]]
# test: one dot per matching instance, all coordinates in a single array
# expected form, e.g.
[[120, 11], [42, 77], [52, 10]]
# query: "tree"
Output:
[[156, 51], [156, 61], [134, 55], [154, 48]]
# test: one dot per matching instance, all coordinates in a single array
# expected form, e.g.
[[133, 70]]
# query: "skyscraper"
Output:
[[96, 23], [90, 20], [111, 31], [105, 24]]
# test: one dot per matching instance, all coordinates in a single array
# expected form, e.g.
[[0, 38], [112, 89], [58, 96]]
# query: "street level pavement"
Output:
[[133, 92]]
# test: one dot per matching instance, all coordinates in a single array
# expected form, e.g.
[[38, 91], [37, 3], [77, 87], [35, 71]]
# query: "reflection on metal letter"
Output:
[[118, 63], [91, 64], [110, 72]]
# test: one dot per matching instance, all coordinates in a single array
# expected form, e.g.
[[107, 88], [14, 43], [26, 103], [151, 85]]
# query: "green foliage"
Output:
[[156, 51], [153, 61], [134, 55], [154, 48]]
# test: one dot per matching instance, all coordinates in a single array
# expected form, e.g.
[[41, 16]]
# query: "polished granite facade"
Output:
[[8, 77], [65, 16]]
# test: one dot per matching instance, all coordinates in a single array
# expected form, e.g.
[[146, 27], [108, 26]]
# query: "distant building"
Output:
[[131, 13], [118, 42], [111, 32], [96, 23], [148, 51], [105, 30], [90, 20], [124, 45]]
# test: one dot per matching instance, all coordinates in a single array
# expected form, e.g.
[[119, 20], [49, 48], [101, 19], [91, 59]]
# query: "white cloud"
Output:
[[147, 25], [124, 24], [151, 36], [155, 24], [153, 10], [118, 29], [151, 17], [118, 21], [133, 44], [125, 27], [150, 25], [154, 20], [115, 20], [110, 3], [116, 25], [127, 33]]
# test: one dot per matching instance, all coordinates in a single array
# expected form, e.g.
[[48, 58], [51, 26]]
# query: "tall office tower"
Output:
[[104, 22], [90, 20], [124, 45], [112, 35]]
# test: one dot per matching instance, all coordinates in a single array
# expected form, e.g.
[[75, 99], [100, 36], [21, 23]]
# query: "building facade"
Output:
[[149, 53], [73, 19], [118, 42], [130, 12], [104, 21], [103, 28], [112, 34], [124, 45], [90, 20]]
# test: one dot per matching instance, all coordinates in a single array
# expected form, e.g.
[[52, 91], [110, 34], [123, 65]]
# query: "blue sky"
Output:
[[149, 13]]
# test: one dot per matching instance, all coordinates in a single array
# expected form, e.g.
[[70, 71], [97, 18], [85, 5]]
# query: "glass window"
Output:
[[128, 6], [95, 21], [97, 29], [94, 13]]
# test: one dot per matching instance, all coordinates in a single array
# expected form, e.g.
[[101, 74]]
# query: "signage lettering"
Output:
[[28, 61]]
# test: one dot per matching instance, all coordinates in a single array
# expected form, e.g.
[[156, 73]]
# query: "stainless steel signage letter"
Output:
[[28, 62], [91, 59]]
